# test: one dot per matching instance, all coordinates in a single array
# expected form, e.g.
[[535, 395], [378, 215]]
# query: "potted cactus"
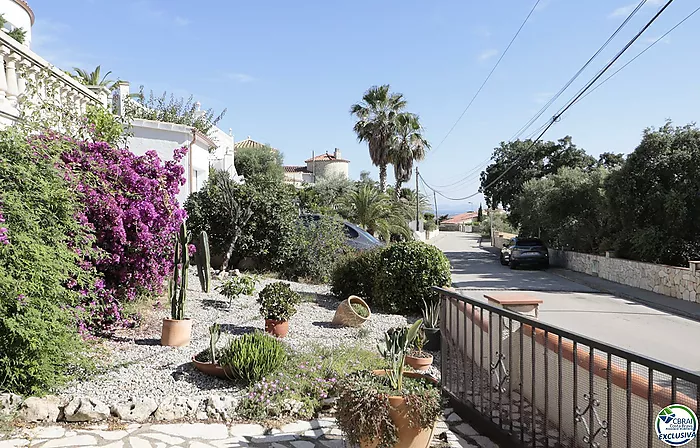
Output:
[[206, 361], [277, 304], [431, 325], [177, 330], [417, 358]]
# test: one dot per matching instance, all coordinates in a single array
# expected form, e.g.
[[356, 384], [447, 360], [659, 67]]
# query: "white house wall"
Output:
[[18, 17]]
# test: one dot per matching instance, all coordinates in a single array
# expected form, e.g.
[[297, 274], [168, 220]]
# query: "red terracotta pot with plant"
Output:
[[277, 304], [380, 409], [206, 361], [417, 358]]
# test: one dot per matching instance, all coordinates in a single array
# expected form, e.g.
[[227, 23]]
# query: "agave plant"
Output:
[[398, 342], [431, 314]]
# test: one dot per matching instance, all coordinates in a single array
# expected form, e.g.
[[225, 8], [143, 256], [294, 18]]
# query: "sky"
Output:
[[288, 72]]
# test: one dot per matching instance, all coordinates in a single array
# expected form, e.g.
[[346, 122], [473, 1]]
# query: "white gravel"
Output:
[[138, 367]]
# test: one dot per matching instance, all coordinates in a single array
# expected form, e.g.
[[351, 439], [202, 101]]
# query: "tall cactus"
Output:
[[177, 286], [203, 262]]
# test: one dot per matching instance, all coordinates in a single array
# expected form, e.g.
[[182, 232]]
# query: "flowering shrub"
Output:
[[130, 207]]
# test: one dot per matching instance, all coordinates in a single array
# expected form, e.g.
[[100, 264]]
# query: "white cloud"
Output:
[[482, 31], [146, 9], [627, 9], [651, 40], [487, 54], [240, 77], [181, 21]]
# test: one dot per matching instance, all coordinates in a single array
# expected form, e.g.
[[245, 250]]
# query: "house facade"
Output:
[[317, 167]]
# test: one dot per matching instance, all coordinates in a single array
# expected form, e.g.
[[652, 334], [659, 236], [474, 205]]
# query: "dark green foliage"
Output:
[[522, 161], [259, 162], [354, 275], [264, 236], [567, 209], [18, 34], [407, 272], [314, 249], [653, 199], [278, 301], [233, 287], [203, 259], [480, 214], [249, 358], [363, 407], [39, 341]]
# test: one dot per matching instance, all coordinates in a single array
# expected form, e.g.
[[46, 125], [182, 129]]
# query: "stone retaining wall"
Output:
[[681, 283]]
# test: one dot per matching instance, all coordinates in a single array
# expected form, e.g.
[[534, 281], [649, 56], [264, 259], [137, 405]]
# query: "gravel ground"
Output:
[[138, 367]]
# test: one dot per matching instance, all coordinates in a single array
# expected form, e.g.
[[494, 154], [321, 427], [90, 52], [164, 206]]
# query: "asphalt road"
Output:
[[575, 307]]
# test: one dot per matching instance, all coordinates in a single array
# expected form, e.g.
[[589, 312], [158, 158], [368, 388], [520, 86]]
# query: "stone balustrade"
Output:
[[23, 72]]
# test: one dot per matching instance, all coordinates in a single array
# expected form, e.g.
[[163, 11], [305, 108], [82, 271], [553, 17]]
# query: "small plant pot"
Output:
[[208, 368], [345, 316], [408, 435], [420, 363], [176, 333], [432, 336], [277, 328]]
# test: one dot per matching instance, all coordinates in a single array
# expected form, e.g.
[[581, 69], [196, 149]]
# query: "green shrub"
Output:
[[360, 310], [354, 275], [406, 274], [251, 357], [39, 342], [278, 301], [315, 248], [298, 389], [233, 287]]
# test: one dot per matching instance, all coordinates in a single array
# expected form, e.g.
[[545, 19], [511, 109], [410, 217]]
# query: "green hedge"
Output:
[[396, 278]]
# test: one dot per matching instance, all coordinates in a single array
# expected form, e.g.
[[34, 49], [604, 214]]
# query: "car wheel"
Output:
[[503, 261], [513, 265], [545, 265]]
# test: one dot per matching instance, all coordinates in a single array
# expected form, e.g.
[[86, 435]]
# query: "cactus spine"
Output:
[[203, 261], [177, 286]]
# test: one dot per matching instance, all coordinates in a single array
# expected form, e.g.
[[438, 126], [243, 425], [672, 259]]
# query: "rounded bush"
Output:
[[251, 357], [405, 276], [354, 275], [278, 301]]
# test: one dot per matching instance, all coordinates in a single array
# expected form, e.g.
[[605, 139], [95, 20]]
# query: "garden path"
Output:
[[450, 431]]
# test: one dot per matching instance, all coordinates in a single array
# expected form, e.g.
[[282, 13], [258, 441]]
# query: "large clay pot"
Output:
[[408, 437], [176, 333], [420, 363], [277, 328], [347, 317], [432, 336], [209, 369]]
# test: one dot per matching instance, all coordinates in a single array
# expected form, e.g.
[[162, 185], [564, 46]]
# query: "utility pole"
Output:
[[417, 202], [491, 210], [437, 217]]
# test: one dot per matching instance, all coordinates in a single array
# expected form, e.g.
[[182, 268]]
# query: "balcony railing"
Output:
[[537, 385], [23, 73]]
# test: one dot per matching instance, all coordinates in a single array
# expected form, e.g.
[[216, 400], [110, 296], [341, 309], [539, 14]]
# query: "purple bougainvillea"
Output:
[[4, 239], [130, 209]]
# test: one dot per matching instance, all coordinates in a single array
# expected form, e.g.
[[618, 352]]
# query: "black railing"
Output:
[[539, 385]]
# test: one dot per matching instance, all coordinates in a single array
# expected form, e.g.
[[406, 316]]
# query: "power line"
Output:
[[578, 73], [488, 77], [550, 102], [576, 98], [659, 39]]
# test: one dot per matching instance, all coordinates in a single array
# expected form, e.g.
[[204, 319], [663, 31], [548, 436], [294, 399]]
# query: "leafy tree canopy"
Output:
[[260, 162]]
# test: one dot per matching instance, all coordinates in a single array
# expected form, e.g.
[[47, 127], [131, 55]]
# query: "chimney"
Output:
[[336, 154]]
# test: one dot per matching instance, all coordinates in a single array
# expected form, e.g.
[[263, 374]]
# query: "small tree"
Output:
[[480, 216], [262, 162]]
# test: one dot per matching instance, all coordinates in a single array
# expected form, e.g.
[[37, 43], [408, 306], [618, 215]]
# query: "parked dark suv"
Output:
[[520, 251]]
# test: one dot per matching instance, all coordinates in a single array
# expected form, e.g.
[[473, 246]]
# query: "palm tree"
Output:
[[375, 212], [93, 78], [376, 124], [408, 146]]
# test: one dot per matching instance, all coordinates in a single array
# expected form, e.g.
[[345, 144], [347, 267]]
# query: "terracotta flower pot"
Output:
[[277, 328], [420, 363], [208, 368], [346, 316], [409, 437], [176, 333]]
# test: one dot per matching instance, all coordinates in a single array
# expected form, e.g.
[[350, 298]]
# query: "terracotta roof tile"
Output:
[[457, 219], [295, 169], [326, 157]]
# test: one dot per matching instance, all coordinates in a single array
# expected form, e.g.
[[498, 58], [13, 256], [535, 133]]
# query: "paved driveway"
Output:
[[575, 307]]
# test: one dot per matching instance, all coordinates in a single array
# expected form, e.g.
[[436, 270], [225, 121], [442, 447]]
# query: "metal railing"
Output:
[[539, 385]]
